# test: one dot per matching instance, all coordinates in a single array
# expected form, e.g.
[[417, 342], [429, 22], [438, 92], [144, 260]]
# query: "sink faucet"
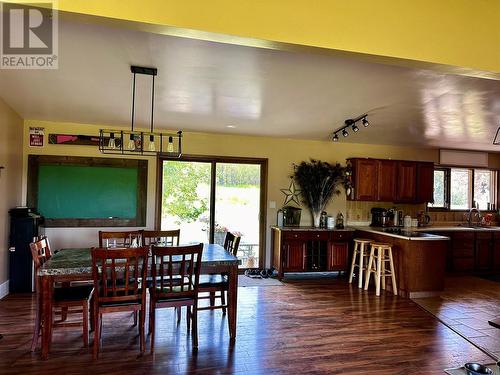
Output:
[[470, 215]]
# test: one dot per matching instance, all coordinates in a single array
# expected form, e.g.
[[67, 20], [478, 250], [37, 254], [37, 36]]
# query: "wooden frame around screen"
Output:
[[213, 160], [35, 161]]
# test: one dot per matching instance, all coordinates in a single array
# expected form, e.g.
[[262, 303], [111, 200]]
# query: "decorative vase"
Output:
[[316, 218]]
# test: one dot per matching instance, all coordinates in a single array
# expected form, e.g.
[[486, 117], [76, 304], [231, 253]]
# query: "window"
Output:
[[463, 188], [460, 189]]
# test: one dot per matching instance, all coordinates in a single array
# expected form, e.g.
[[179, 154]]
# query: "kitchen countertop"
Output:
[[456, 228], [405, 235], [346, 229]]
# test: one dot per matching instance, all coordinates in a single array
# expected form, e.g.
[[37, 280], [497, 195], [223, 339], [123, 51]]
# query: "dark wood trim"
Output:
[[35, 161], [214, 159]]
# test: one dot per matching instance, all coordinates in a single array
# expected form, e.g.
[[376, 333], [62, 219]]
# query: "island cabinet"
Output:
[[392, 181], [305, 249], [496, 252]]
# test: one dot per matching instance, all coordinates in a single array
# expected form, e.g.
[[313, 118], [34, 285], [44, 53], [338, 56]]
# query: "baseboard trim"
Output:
[[4, 289]]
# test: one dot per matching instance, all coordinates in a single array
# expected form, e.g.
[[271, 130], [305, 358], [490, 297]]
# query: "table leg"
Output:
[[232, 301], [47, 286]]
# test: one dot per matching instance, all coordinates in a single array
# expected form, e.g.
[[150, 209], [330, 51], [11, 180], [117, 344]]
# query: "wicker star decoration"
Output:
[[291, 194]]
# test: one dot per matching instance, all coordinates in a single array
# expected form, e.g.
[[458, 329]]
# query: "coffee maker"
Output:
[[380, 217]]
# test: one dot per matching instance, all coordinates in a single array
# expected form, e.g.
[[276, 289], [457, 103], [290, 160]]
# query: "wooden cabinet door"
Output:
[[406, 183], [496, 251], [386, 180], [425, 182], [365, 179], [294, 256], [484, 251], [463, 251], [337, 256]]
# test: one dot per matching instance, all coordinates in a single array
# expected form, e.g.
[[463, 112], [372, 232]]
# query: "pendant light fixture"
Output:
[[136, 142]]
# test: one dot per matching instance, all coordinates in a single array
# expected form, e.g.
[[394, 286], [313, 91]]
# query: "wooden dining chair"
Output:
[[119, 239], [167, 237], [217, 285], [176, 273], [64, 296], [117, 275]]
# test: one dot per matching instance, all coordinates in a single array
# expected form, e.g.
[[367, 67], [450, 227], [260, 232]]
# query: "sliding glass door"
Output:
[[207, 197]]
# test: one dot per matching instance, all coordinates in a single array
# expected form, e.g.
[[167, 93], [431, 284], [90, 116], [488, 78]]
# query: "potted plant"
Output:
[[319, 181]]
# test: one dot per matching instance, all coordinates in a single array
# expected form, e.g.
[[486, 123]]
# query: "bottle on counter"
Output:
[[322, 220], [407, 221], [279, 219], [340, 221]]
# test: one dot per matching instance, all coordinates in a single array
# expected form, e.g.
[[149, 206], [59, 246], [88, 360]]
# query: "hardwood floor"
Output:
[[306, 326], [465, 306]]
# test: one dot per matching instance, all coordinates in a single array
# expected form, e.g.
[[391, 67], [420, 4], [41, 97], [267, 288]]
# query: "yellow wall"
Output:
[[280, 152], [10, 180], [463, 33]]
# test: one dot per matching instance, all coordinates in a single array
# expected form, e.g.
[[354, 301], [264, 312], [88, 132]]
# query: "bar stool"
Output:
[[361, 250], [380, 254]]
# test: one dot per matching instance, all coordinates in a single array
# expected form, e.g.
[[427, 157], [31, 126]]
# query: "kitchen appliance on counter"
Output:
[[291, 216], [423, 219], [380, 217]]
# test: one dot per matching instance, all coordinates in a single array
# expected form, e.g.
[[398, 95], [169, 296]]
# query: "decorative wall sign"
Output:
[[73, 139], [291, 194], [36, 136]]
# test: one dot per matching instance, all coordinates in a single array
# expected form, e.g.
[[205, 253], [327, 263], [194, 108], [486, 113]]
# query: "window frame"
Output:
[[447, 170]]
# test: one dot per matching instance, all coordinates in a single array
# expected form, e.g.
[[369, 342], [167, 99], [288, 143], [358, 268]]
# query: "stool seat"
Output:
[[362, 240], [381, 244]]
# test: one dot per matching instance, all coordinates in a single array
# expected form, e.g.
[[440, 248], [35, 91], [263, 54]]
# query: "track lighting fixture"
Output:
[[350, 123]]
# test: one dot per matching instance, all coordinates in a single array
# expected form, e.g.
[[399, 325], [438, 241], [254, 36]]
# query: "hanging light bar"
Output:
[[349, 123], [135, 142]]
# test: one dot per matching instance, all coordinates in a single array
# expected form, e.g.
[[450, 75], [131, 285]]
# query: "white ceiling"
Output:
[[206, 86]]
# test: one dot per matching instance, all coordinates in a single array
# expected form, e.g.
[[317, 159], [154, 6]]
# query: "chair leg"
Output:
[[92, 327], [151, 312], [382, 270], [36, 328], [188, 317], [179, 312], [378, 271], [223, 301], [369, 267], [360, 267], [393, 274], [194, 331], [97, 333], [64, 313], [142, 323], [353, 263], [135, 318], [212, 299], [85, 309], [152, 321]]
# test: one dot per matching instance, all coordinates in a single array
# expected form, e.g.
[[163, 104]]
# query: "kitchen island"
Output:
[[419, 259]]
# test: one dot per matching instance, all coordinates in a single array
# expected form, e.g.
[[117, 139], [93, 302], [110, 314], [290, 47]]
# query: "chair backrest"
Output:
[[231, 243], [118, 273], [119, 239], [167, 237], [40, 251], [176, 271]]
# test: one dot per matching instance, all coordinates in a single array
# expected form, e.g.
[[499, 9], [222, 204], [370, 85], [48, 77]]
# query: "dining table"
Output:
[[75, 264]]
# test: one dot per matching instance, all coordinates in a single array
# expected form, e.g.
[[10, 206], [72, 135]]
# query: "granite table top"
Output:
[[78, 261]]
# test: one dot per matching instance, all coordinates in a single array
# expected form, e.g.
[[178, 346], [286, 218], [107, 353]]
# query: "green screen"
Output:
[[86, 192]]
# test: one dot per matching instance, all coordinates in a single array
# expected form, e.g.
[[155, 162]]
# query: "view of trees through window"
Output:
[[467, 187], [186, 197]]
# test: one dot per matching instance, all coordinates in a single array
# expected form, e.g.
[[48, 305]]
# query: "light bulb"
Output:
[[131, 143], [335, 138], [112, 143], [170, 146], [365, 123], [355, 128], [345, 133], [152, 146]]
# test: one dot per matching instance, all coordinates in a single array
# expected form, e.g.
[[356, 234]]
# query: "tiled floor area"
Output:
[[466, 306]]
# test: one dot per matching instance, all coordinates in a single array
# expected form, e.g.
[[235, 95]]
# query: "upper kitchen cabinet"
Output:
[[365, 173], [386, 182], [425, 182], [406, 183], [392, 181]]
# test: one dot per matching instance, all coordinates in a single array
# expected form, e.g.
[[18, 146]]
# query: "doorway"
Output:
[[205, 197]]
